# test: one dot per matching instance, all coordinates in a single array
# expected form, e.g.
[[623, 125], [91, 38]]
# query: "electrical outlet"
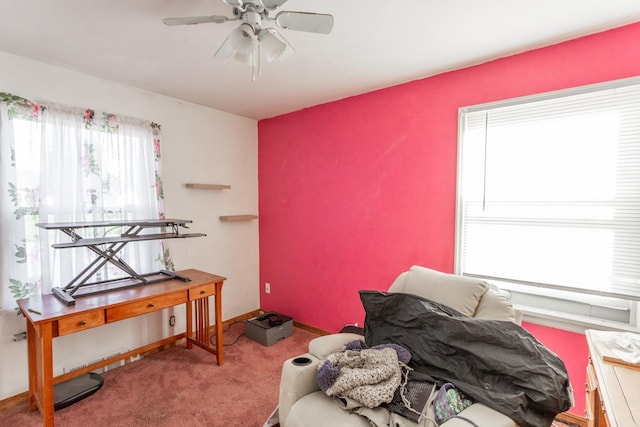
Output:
[[267, 287]]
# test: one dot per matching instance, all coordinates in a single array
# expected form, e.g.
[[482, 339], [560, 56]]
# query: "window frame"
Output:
[[524, 293]]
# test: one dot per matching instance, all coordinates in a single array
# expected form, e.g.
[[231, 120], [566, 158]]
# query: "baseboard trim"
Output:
[[242, 317], [311, 328], [12, 401], [300, 325]]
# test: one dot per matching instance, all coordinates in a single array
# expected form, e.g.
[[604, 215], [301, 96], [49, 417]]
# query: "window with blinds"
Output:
[[549, 198]]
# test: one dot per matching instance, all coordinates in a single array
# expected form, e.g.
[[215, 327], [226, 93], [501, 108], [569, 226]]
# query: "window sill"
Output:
[[569, 322]]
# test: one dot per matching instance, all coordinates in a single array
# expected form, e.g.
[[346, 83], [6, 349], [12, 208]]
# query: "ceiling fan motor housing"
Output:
[[252, 18]]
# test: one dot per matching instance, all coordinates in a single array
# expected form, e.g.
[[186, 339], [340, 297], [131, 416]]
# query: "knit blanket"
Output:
[[369, 376]]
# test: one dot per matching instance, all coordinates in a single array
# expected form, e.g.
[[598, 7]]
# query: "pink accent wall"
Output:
[[572, 349], [353, 192]]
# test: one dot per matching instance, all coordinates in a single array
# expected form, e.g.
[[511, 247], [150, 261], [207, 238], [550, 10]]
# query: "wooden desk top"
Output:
[[47, 308], [619, 384]]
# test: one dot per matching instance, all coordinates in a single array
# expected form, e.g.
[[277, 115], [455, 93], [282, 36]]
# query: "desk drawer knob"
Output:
[[151, 304], [203, 292], [83, 322]]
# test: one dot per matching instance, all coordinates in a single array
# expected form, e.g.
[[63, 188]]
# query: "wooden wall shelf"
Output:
[[209, 186], [238, 217]]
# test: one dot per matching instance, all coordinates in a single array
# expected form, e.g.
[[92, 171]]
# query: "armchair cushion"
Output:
[[458, 292], [496, 304]]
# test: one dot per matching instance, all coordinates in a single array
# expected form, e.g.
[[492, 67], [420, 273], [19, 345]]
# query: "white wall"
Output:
[[200, 145]]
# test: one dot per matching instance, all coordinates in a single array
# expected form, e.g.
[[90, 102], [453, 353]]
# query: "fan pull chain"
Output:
[[257, 42], [253, 61]]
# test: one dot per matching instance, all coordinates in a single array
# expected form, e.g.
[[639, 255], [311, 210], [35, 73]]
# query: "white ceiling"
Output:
[[374, 44]]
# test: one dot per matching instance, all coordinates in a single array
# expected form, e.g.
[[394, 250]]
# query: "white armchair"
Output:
[[303, 404]]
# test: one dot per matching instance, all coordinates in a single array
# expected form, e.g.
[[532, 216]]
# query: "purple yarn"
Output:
[[355, 345], [403, 354], [327, 375]]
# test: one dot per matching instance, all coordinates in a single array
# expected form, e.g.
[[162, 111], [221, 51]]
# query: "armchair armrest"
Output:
[[323, 346], [299, 377], [297, 381]]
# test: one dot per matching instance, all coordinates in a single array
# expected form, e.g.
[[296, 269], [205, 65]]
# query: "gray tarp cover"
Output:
[[496, 363]]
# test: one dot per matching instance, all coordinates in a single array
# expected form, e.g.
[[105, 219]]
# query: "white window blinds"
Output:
[[549, 191]]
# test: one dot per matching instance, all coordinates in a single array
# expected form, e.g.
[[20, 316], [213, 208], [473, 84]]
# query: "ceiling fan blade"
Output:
[[303, 21], [193, 20], [272, 4]]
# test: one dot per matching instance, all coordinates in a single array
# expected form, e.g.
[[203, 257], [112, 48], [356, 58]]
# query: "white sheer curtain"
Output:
[[62, 164]]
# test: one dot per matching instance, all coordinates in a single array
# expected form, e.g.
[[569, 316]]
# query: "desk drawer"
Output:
[[202, 291], [147, 305], [81, 321]]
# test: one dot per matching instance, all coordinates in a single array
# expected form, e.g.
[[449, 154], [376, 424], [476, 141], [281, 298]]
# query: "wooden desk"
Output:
[[613, 389], [48, 317]]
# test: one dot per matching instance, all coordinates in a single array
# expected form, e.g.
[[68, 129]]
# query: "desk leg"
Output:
[[189, 323], [40, 344], [200, 336], [33, 367], [218, 318]]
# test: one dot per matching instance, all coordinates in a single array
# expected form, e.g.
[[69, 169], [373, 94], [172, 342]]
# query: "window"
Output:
[[549, 200], [62, 164]]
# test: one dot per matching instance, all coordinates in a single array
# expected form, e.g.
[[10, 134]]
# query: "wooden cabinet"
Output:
[[594, 411], [612, 386]]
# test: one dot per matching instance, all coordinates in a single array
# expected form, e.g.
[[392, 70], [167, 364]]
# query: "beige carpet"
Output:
[[179, 387]]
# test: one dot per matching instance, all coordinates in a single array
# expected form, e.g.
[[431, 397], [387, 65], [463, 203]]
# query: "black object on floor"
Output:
[[352, 330], [73, 390]]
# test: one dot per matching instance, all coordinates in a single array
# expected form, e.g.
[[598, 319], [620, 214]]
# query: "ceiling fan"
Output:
[[252, 38]]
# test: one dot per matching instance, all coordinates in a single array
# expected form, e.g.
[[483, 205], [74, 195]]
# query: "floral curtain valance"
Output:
[[60, 164]]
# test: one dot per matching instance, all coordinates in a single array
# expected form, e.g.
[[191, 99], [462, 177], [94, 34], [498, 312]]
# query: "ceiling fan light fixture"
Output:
[[238, 45], [274, 46]]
